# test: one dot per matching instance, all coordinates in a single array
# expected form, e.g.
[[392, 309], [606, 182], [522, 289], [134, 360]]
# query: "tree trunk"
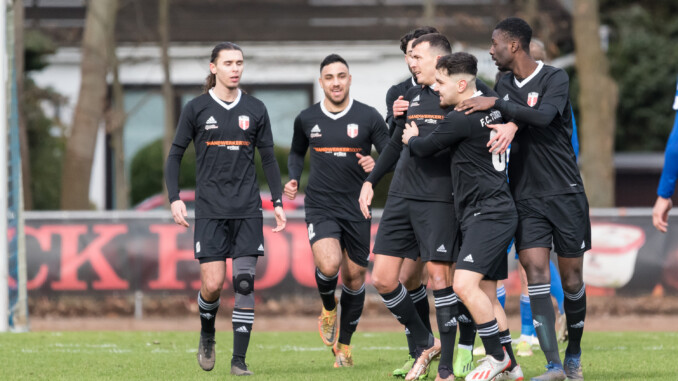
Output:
[[115, 127], [598, 98], [167, 91], [19, 70], [99, 24]]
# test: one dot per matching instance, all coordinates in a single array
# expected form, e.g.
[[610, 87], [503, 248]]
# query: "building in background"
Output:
[[284, 42]]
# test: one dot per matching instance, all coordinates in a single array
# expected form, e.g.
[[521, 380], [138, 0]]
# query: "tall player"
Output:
[[225, 125], [340, 132], [484, 207], [412, 273], [546, 185]]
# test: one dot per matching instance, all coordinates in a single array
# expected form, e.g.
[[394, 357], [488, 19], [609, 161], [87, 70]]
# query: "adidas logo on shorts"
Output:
[[442, 249], [578, 325], [469, 259], [261, 247], [536, 323], [583, 244], [506, 97], [242, 329]]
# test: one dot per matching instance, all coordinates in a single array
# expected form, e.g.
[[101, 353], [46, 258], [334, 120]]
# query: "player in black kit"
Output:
[[412, 273], [340, 132], [484, 208], [546, 186], [225, 125], [418, 218]]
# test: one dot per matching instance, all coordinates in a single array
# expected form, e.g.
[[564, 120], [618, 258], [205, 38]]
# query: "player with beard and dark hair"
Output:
[[484, 207], [340, 132], [418, 218], [225, 125], [412, 273], [546, 186]]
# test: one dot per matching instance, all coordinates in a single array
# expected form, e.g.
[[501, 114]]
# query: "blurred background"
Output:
[[96, 88]]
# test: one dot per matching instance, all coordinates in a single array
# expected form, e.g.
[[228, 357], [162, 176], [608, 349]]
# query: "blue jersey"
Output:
[[667, 182]]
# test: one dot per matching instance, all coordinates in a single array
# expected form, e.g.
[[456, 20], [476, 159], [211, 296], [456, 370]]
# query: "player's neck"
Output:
[[334, 107], [470, 92], [524, 67], [224, 93]]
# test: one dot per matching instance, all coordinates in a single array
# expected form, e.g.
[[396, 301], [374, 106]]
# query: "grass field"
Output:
[[289, 356]]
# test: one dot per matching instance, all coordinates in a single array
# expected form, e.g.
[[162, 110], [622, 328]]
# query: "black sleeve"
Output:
[[486, 90], [391, 96], [552, 103], [272, 172], [379, 137], [389, 157], [541, 117], [182, 138], [449, 132], [264, 133], [295, 161]]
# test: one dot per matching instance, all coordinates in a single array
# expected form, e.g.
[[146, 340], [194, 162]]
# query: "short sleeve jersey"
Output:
[[542, 160], [225, 136], [478, 176], [423, 178], [336, 178]]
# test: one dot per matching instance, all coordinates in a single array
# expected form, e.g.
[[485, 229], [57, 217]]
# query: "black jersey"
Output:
[[542, 160], [336, 178], [391, 95], [478, 176], [417, 178], [224, 136]]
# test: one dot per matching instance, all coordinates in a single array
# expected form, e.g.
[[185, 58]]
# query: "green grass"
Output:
[[289, 356]]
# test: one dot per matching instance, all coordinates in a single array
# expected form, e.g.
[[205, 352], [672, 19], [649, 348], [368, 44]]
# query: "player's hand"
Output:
[[291, 189], [660, 213], [365, 161], [365, 199], [411, 130], [502, 139], [280, 219], [179, 212], [400, 106], [475, 104]]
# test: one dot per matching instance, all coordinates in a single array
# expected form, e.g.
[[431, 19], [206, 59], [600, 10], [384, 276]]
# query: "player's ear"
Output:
[[213, 68], [462, 85]]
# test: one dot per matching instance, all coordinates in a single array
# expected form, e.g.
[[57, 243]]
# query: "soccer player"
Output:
[[412, 273], [418, 218], [546, 185], [225, 125], [340, 132], [667, 182], [483, 205]]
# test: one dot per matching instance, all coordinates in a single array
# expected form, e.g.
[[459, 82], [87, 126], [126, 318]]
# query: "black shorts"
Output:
[[218, 239], [485, 240], [353, 236], [561, 220], [412, 228]]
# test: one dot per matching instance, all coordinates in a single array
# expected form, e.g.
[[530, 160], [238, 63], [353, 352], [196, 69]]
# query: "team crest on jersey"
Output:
[[352, 130], [244, 122], [532, 99]]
